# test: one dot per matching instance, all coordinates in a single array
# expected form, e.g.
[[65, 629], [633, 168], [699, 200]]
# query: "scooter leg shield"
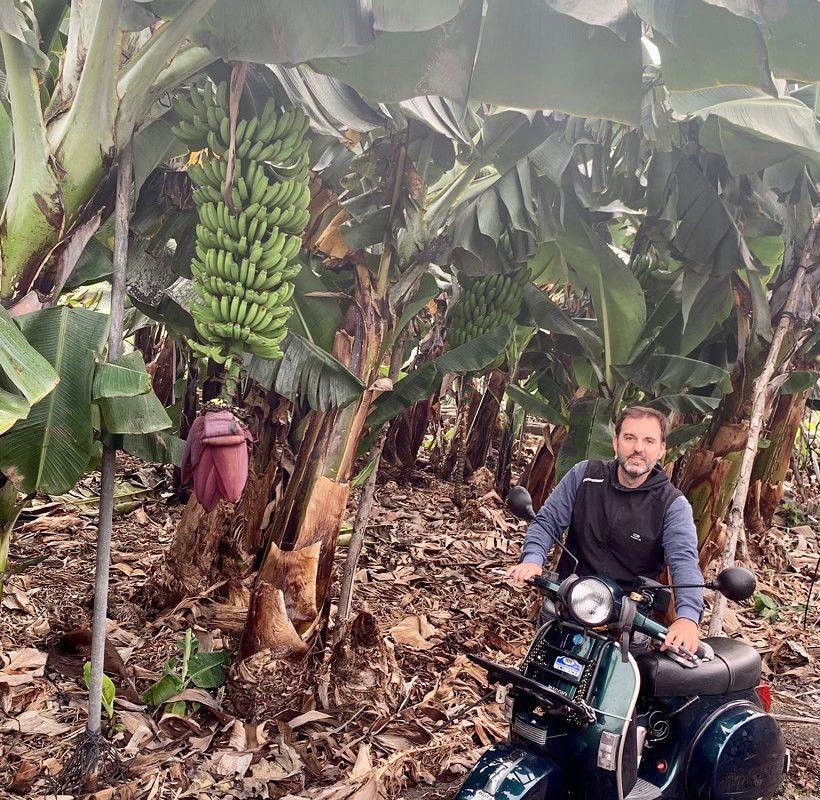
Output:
[[739, 754], [511, 772]]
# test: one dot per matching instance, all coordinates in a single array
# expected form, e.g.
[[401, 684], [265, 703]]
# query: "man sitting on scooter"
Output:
[[625, 520]]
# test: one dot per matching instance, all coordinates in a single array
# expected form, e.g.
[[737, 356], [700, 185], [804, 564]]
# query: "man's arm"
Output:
[[680, 546], [549, 525]]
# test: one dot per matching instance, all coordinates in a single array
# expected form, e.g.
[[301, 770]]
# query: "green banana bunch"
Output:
[[641, 268], [250, 233], [485, 303]]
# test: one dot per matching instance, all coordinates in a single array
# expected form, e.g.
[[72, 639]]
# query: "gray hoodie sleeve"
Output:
[[553, 517], [680, 548]]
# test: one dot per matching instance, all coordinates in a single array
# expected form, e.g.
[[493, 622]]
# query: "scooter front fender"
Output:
[[512, 772]]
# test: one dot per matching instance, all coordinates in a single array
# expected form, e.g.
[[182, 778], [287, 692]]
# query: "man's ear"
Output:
[[615, 445]]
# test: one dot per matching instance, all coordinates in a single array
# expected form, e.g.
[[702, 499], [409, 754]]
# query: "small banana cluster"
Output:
[[485, 303], [245, 254], [641, 268]]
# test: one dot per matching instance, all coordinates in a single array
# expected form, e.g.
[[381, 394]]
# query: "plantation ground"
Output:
[[395, 715]]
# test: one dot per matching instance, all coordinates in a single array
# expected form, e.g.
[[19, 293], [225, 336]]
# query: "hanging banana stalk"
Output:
[[484, 303], [251, 193]]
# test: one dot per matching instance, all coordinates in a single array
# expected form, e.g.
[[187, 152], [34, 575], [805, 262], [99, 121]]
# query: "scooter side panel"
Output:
[[511, 772]]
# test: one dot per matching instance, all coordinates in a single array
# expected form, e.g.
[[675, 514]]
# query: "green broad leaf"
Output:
[[703, 230], [23, 367], [49, 450], [685, 403], [760, 131], [547, 265], [415, 387], [550, 317], [682, 436], [472, 356], [153, 145], [241, 30], [791, 40], [761, 314], [428, 290], [164, 689], [702, 45], [160, 447], [768, 250], [535, 405], [208, 670], [13, 407], [616, 294], [614, 16], [108, 689], [111, 380], [799, 381], [308, 373], [672, 372], [137, 414], [315, 319], [710, 298], [605, 66], [691, 102], [475, 355], [401, 65], [94, 264], [590, 434]]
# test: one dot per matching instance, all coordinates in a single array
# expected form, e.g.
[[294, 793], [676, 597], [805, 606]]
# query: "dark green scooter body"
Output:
[[693, 745]]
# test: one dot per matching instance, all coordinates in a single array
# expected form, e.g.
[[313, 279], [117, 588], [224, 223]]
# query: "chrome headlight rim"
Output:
[[579, 591]]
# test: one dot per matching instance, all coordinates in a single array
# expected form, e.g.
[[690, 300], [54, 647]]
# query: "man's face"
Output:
[[638, 447]]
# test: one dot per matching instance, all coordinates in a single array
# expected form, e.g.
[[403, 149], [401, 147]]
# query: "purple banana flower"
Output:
[[216, 457]]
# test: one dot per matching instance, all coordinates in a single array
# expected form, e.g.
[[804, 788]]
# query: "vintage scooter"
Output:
[[590, 721]]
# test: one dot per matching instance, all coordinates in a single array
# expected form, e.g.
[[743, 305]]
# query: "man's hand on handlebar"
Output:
[[682, 633], [524, 571]]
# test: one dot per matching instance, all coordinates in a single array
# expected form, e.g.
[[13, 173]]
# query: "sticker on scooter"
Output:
[[569, 666]]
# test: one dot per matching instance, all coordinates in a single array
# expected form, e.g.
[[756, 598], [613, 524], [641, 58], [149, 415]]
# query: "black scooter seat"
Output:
[[735, 667]]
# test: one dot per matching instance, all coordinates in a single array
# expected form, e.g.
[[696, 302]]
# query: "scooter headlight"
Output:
[[591, 602]]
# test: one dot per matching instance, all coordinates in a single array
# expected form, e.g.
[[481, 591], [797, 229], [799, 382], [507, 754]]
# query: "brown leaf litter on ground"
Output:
[[394, 711]]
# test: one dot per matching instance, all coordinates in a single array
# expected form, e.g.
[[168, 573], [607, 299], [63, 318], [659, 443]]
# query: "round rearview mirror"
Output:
[[520, 503], [736, 583]]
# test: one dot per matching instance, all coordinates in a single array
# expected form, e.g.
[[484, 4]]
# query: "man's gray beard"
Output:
[[631, 471]]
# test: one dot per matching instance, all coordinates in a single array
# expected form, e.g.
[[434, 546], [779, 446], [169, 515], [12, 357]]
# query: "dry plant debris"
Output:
[[396, 711]]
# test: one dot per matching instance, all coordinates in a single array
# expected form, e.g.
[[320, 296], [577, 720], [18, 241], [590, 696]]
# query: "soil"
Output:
[[398, 715]]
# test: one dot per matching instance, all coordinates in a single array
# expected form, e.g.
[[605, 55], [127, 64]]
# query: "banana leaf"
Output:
[[23, 371], [550, 317], [616, 294], [589, 436], [702, 45], [112, 380], [798, 381], [685, 403], [138, 414], [472, 356], [49, 450], [535, 405], [674, 373], [309, 374]]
